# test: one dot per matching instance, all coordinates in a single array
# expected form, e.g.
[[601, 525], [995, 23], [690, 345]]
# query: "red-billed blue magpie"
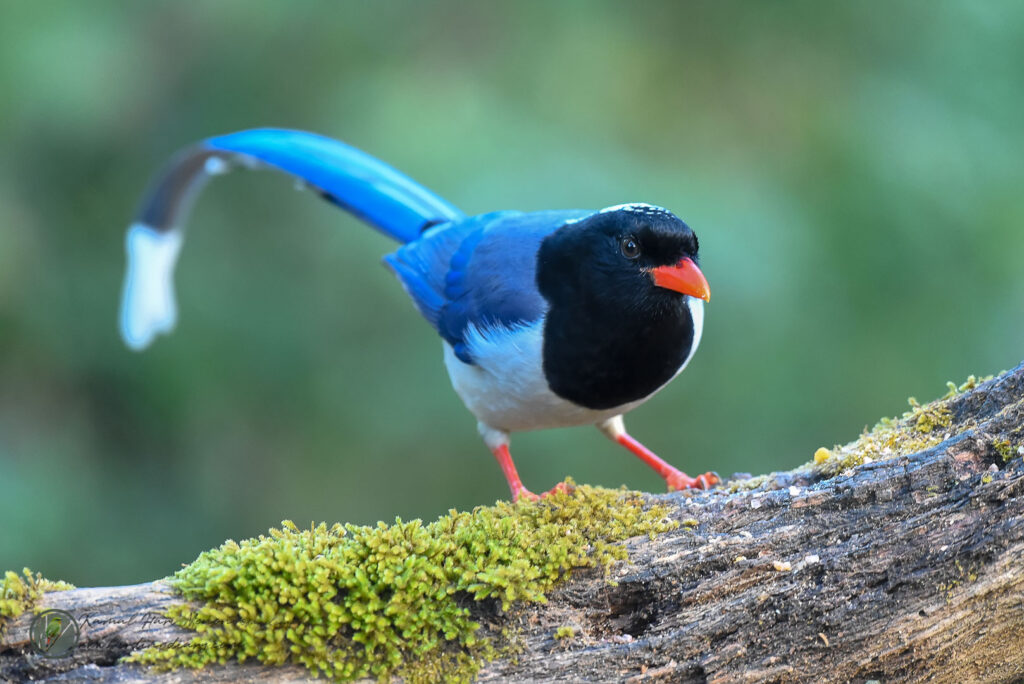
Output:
[[548, 319]]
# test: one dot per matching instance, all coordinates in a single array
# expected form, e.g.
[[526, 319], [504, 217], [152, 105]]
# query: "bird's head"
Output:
[[637, 255]]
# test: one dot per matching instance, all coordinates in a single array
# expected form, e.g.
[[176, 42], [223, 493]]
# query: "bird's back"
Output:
[[480, 272]]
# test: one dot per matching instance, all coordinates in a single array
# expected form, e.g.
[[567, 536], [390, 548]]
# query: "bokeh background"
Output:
[[854, 172]]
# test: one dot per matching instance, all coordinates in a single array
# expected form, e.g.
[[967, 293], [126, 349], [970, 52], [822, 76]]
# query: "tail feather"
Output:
[[349, 178], [390, 201]]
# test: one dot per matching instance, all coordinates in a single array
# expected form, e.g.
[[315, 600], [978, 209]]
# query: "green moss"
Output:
[[747, 484], [928, 418], [921, 427], [1003, 448], [969, 384], [565, 632], [19, 593], [350, 601]]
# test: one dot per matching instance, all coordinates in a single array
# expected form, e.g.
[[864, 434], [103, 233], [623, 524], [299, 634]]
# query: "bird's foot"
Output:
[[560, 488], [524, 493], [678, 480]]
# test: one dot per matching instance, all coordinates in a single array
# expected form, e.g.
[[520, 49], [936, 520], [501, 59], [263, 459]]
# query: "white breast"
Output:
[[506, 389]]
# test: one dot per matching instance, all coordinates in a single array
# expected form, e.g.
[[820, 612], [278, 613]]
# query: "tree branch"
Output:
[[901, 569]]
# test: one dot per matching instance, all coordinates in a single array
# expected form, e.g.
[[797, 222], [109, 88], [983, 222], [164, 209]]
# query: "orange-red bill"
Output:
[[684, 278]]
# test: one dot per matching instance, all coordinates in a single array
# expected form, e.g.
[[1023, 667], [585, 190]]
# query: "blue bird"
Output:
[[547, 319]]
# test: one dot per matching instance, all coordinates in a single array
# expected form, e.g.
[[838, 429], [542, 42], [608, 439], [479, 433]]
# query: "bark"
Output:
[[904, 569]]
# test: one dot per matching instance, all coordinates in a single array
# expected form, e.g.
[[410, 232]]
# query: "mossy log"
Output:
[[907, 567]]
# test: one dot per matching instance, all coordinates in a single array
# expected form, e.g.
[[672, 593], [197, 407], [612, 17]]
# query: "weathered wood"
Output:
[[902, 569]]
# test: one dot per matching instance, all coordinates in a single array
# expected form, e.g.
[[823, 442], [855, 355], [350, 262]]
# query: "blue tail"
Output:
[[353, 180], [386, 199]]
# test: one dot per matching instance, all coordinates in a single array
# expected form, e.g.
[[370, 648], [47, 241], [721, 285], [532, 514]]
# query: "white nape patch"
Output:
[[216, 166], [641, 208], [148, 307]]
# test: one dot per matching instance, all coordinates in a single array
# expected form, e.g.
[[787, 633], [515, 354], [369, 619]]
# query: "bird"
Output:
[[547, 319]]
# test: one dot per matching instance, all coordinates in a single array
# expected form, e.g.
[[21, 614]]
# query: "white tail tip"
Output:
[[148, 306]]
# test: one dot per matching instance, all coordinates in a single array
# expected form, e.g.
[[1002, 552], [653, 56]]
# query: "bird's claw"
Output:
[[524, 493], [560, 488], [679, 480]]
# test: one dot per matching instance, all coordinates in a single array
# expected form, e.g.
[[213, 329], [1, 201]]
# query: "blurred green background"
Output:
[[854, 173]]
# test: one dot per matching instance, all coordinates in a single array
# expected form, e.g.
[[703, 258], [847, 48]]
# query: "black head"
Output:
[[618, 284], [626, 256]]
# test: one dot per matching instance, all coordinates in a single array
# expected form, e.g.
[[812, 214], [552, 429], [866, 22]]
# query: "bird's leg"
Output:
[[509, 469], [497, 442], [615, 430]]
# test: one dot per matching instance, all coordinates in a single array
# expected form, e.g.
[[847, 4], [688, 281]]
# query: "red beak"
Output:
[[684, 278]]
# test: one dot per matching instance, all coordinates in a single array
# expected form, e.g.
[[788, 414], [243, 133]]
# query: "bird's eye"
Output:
[[629, 247]]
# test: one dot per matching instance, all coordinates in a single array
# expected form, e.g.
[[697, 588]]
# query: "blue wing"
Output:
[[481, 271]]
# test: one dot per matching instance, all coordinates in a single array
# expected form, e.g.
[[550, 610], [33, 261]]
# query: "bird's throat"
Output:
[[603, 359]]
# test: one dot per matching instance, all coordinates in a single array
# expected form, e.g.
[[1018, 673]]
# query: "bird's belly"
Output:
[[506, 389]]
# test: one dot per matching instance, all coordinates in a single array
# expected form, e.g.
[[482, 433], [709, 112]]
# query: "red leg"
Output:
[[501, 453], [674, 478], [509, 469]]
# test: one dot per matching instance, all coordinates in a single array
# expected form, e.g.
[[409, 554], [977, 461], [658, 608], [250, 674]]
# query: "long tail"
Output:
[[353, 180]]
